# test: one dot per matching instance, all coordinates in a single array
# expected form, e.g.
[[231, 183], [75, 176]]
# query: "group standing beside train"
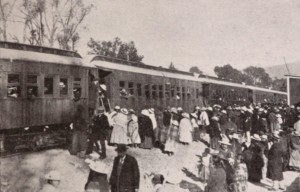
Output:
[[244, 143]]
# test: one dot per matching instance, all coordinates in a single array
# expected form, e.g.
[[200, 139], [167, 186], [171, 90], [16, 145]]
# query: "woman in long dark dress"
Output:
[[146, 130], [275, 162]]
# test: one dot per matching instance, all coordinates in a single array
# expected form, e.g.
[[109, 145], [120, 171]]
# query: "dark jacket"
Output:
[[145, 127], [274, 168], [129, 178], [167, 115], [101, 127]]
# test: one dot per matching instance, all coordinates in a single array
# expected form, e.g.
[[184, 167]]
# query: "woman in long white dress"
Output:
[[119, 133], [185, 129], [133, 131]]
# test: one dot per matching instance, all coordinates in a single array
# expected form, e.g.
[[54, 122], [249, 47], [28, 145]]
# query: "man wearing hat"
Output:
[[53, 180], [100, 131], [125, 175], [275, 163]]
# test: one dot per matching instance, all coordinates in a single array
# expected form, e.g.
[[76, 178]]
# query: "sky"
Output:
[[200, 33]]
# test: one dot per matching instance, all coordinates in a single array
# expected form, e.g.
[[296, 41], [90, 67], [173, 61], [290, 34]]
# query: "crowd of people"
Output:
[[243, 143]]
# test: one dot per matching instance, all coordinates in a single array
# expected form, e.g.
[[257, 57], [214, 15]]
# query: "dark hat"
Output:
[[121, 148]]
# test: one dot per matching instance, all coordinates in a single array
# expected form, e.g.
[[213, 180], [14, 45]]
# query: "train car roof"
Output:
[[24, 52], [109, 63]]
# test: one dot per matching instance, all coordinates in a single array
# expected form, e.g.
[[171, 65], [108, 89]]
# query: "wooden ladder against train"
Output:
[[105, 103]]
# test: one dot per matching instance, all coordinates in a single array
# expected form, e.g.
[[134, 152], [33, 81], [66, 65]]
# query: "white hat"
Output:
[[235, 136], [296, 133], [179, 109], [292, 106], [151, 110], [117, 107], [224, 141], [264, 137], [278, 115], [173, 110], [244, 108], [209, 108], [256, 137], [145, 112], [134, 118], [124, 111], [174, 122], [103, 87], [197, 107], [194, 115], [53, 175], [215, 118], [203, 109], [260, 109], [224, 111], [185, 115]]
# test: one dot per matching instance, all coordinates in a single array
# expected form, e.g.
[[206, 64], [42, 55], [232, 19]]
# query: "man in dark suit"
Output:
[[125, 176], [100, 130]]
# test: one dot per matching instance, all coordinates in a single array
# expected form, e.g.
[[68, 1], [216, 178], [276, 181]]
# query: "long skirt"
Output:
[[147, 143], [196, 134], [79, 142], [134, 137], [204, 173], [214, 142], [119, 135], [295, 158], [163, 134], [171, 146]]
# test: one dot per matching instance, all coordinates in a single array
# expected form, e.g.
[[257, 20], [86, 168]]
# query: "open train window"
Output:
[[167, 90], [147, 91], [131, 88], [139, 89], [178, 95], [183, 92], [48, 86], [160, 89], [31, 86], [13, 86], [172, 91], [63, 86], [154, 94], [77, 90]]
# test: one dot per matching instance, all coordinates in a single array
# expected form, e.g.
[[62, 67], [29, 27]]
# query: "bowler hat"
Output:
[[121, 148]]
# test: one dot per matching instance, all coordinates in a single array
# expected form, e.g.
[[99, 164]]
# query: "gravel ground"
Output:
[[26, 172]]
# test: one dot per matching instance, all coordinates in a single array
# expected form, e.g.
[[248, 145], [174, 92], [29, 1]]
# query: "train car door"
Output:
[[206, 93], [103, 91]]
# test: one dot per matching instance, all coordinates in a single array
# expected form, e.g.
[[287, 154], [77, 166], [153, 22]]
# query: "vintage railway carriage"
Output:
[[40, 87], [138, 86]]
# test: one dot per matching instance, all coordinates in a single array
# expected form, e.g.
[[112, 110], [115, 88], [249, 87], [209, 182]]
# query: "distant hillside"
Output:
[[280, 70]]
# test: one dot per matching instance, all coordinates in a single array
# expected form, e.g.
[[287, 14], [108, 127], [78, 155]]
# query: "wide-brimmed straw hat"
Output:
[[224, 111], [296, 133], [117, 107], [53, 175], [179, 109], [145, 112], [224, 141], [209, 108], [256, 137], [131, 111], [124, 111], [174, 122], [185, 115], [194, 115]]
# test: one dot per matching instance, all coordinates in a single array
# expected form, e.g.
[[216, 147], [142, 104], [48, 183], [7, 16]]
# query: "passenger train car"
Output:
[[41, 90], [40, 87], [138, 86]]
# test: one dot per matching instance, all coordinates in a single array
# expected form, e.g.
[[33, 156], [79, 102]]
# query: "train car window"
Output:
[[63, 86], [31, 86], [131, 88], [167, 90], [188, 93], [13, 86], [172, 91], [183, 92], [48, 86], [197, 93], [122, 84], [154, 94], [147, 91], [77, 89], [178, 95], [139, 89], [160, 88]]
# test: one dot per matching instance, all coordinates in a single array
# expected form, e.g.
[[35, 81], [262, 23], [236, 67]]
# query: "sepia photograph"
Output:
[[149, 96]]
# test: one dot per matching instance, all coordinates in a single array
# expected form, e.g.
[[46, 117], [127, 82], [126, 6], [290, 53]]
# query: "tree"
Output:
[[6, 8], [56, 21], [172, 67], [116, 49], [279, 84], [195, 69], [259, 76]]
